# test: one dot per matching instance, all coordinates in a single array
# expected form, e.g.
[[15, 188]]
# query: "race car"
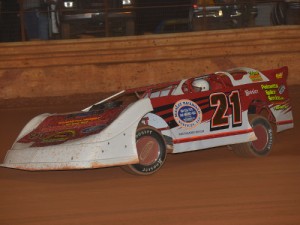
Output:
[[136, 128]]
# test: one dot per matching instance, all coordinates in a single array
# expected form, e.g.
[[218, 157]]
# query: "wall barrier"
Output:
[[85, 66]]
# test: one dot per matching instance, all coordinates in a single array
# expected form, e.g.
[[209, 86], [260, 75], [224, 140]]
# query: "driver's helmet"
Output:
[[200, 85]]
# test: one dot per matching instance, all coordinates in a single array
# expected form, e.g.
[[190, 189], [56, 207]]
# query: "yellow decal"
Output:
[[255, 76], [78, 122], [59, 136], [271, 92], [280, 107], [279, 75], [269, 86]]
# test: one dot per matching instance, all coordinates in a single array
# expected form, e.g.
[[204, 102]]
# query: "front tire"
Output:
[[151, 150], [260, 147]]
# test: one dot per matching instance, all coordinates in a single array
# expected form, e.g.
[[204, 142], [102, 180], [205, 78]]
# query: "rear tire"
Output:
[[260, 147], [151, 150]]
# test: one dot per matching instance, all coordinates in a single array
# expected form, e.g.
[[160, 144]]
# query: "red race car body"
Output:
[[241, 108]]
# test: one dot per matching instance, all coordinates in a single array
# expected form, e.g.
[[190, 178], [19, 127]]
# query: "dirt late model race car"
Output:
[[136, 128]]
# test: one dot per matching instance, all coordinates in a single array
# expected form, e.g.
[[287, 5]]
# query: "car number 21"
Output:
[[220, 118]]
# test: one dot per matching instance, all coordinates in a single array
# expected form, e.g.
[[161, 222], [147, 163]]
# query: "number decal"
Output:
[[234, 99], [220, 118]]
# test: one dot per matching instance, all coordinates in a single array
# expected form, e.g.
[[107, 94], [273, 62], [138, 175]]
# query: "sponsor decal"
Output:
[[280, 107], [78, 121], [143, 132], [271, 92], [93, 129], [275, 98], [255, 76], [279, 75], [187, 114], [251, 92], [211, 136], [269, 86], [281, 89], [60, 136], [157, 164], [270, 143], [192, 132]]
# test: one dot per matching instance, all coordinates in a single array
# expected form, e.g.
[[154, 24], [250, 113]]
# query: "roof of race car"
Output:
[[233, 77], [237, 76]]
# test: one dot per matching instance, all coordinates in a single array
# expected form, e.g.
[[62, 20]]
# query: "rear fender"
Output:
[[278, 98], [277, 101]]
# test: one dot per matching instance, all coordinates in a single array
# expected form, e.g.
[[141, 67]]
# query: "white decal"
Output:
[[187, 113], [251, 92]]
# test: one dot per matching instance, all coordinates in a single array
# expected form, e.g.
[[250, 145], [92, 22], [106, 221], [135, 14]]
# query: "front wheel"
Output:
[[260, 147], [151, 150]]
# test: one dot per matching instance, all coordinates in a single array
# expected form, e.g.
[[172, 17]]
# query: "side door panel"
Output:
[[205, 119]]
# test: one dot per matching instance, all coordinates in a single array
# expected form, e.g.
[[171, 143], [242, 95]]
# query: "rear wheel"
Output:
[[260, 147], [151, 150]]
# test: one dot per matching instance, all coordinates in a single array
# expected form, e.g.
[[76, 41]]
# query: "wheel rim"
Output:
[[262, 138], [148, 150]]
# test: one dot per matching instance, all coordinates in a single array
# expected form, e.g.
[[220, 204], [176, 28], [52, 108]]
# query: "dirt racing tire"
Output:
[[260, 147], [151, 150]]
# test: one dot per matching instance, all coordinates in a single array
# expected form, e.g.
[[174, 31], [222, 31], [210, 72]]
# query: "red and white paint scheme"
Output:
[[136, 128]]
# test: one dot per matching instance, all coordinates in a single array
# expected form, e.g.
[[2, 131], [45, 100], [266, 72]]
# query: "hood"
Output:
[[58, 128]]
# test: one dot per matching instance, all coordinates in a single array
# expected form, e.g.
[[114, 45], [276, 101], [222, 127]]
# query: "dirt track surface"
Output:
[[202, 187]]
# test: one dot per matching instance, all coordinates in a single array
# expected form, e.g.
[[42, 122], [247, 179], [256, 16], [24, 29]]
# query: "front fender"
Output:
[[115, 145], [130, 117]]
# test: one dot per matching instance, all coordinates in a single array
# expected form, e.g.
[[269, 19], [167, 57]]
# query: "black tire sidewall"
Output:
[[149, 169], [265, 123]]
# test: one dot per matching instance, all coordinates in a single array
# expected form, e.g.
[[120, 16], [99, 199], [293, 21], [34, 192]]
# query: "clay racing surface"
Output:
[[203, 187]]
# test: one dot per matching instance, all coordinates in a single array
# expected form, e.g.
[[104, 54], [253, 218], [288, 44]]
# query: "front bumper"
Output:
[[68, 157]]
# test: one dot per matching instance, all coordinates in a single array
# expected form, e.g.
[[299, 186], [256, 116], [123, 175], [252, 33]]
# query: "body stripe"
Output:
[[210, 136], [284, 122], [171, 105]]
